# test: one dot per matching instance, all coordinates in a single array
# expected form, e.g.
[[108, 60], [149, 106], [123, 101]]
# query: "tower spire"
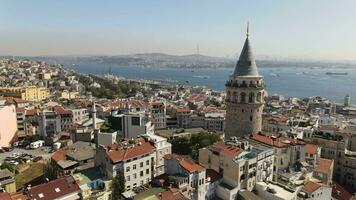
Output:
[[248, 29]]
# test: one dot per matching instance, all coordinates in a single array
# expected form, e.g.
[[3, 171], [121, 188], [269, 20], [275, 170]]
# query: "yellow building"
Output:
[[30, 93]]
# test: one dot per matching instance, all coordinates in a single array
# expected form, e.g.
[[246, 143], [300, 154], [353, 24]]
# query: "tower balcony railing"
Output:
[[244, 85]]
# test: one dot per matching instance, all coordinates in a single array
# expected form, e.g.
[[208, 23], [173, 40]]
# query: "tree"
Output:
[[118, 185], [50, 171], [9, 166]]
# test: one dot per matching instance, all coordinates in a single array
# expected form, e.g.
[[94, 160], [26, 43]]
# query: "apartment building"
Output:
[[158, 113], [30, 93], [188, 176], [241, 162], [135, 158], [287, 150], [8, 127]]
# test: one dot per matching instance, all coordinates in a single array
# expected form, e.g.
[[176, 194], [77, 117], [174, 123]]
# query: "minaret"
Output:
[[244, 96], [94, 115]]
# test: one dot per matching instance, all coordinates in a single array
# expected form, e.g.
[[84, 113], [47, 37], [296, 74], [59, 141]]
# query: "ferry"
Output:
[[336, 73]]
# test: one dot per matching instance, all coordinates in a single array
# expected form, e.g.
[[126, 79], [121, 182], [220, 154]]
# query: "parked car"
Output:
[[38, 158]]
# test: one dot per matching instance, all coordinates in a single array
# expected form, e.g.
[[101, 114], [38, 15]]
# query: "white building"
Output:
[[162, 148], [190, 177], [135, 158], [314, 191]]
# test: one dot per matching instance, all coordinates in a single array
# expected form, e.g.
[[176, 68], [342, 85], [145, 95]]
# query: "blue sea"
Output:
[[287, 81]]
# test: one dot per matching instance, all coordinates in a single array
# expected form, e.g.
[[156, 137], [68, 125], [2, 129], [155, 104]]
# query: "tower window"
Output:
[[251, 118], [242, 110]]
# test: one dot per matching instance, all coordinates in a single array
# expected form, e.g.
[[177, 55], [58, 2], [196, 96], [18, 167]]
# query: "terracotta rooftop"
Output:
[[310, 187], [277, 118], [54, 189], [117, 153], [224, 149], [186, 162], [59, 155], [183, 110], [323, 165], [275, 140], [31, 112], [311, 149], [191, 166], [172, 194]]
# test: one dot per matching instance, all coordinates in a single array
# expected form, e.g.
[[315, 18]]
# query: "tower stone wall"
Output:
[[244, 96]]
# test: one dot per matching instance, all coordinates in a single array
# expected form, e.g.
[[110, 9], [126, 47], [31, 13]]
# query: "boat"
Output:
[[336, 73]]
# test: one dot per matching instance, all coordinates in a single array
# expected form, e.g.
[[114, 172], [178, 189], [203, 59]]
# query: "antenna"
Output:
[[198, 49], [248, 29]]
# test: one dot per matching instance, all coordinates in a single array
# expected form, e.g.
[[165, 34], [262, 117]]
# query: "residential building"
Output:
[[8, 127], [188, 176], [158, 113], [162, 148], [30, 93], [60, 189], [135, 158], [73, 158], [80, 114], [314, 191], [7, 181], [287, 150], [183, 117]]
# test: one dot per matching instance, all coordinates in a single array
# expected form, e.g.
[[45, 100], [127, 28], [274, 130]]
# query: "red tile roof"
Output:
[[226, 150], [185, 161], [54, 189], [59, 155], [172, 194], [275, 140], [31, 112], [117, 153], [310, 187], [183, 110], [18, 196], [323, 165], [311, 149], [191, 166]]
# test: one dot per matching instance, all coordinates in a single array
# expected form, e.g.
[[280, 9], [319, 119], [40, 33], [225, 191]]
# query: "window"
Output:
[[134, 166], [128, 178], [134, 176], [141, 164], [147, 162], [141, 173], [147, 171], [135, 121], [127, 169]]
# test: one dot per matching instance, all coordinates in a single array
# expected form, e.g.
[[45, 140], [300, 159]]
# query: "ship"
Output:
[[336, 73]]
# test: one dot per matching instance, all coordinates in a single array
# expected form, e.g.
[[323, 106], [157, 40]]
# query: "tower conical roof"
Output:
[[246, 65]]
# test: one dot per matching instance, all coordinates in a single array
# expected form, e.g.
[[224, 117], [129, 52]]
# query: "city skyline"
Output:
[[303, 29]]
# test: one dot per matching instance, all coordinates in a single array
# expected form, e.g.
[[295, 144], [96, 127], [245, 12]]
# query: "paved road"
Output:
[[34, 152]]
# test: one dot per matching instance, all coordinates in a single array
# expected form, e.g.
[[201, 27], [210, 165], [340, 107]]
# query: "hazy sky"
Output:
[[319, 29]]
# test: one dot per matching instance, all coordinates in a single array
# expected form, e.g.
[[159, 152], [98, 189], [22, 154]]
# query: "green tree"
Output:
[[181, 145], [118, 185], [9, 166], [50, 171]]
